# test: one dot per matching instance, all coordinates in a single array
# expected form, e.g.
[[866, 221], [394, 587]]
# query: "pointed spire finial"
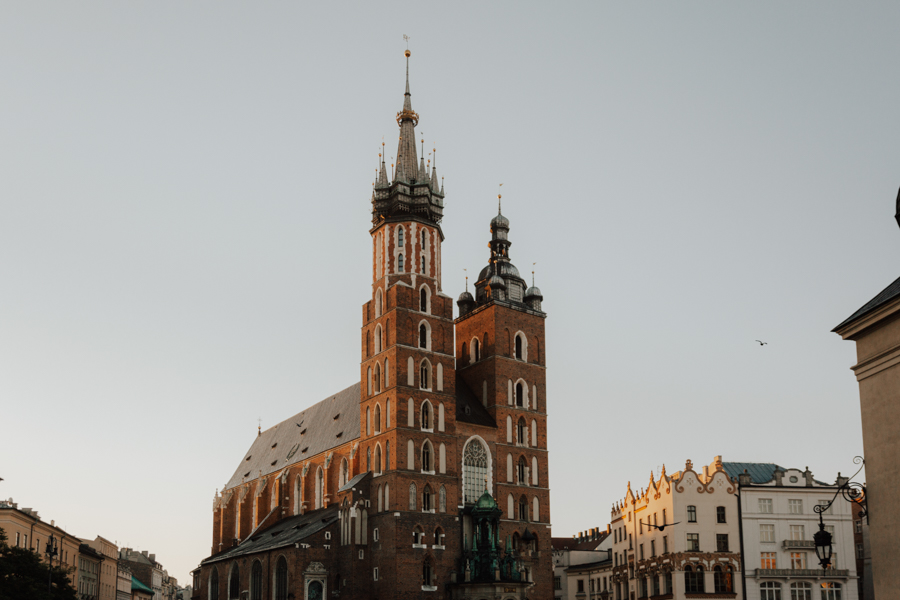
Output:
[[498, 199], [532, 285], [466, 271]]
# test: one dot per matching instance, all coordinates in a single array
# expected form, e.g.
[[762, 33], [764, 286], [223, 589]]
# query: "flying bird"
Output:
[[660, 527], [761, 343]]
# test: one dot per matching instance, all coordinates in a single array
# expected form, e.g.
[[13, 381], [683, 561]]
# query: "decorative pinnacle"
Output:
[[498, 199]]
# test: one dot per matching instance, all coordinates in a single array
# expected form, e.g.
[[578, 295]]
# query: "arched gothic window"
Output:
[[387, 455], [378, 459], [476, 350], [425, 375], [520, 394], [234, 583], [378, 303], [427, 415], [427, 502], [368, 459], [214, 584], [256, 581], [344, 473], [320, 488], [423, 299], [400, 232], [442, 500], [377, 375], [523, 508], [378, 347], [400, 263], [427, 456], [475, 471], [377, 419], [412, 496], [423, 336], [522, 432], [519, 352], [427, 572], [521, 478], [314, 590], [423, 264]]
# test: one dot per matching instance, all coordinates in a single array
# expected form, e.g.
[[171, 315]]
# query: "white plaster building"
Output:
[[778, 525], [582, 557], [679, 538]]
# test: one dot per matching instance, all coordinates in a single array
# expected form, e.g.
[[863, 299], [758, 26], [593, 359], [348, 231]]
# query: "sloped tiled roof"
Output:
[[567, 543], [886, 295], [286, 532], [468, 408], [759, 472], [322, 426]]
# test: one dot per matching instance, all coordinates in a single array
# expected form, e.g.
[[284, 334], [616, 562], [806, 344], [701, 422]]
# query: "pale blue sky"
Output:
[[185, 209]]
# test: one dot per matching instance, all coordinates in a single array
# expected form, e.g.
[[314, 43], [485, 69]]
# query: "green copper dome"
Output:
[[486, 502]]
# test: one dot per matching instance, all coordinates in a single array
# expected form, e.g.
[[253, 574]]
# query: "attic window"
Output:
[[302, 432], [336, 416], [304, 450], [247, 474], [339, 434], [248, 457], [274, 461], [275, 444]]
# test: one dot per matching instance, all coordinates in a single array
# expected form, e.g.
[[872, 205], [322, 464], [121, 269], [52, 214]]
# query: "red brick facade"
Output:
[[423, 396]]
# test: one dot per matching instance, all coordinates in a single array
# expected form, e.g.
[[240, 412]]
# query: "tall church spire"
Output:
[[407, 169]]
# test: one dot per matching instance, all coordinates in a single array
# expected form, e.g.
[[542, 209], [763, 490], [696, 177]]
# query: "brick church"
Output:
[[429, 477]]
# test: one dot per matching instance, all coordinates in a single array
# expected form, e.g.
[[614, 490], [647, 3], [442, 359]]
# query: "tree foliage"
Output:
[[23, 575]]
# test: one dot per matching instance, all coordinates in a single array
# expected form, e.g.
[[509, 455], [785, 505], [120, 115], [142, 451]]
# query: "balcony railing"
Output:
[[798, 544], [802, 573]]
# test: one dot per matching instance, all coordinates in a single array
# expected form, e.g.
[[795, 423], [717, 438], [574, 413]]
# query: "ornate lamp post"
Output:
[[51, 550], [852, 492]]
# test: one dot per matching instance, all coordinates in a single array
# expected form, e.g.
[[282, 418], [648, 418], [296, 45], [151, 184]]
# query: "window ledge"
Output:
[[441, 547], [422, 546], [429, 588], [427, 472], [428, 430], [428, 510]]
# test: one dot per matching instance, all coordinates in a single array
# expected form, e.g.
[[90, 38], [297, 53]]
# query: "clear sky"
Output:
[[184, 238]]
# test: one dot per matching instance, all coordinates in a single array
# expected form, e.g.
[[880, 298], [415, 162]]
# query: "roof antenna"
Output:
[[498, 198]]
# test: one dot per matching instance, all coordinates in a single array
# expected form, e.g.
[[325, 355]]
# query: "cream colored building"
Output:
[[25, 529], [108, 568], [679, 536], [876, 330]]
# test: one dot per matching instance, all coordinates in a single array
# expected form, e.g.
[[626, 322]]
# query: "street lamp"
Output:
[[51, 550], [854, 493]]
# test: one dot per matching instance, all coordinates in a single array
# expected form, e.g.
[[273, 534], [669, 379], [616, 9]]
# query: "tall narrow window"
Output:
[[400, 264], [423, 265], [522, 432], [423, 336], [523, 509], [234, 583], [423, 239], [442, 500], [519, 347], [520, 472], [256, 581], [427, 416], [692, 514], [320, 488], [426, 498], [400, 237], [214, 585], [423, 300], [520, 394], [424, 376], [720, 514], [412, 496], [426, 457], [476, 350]]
